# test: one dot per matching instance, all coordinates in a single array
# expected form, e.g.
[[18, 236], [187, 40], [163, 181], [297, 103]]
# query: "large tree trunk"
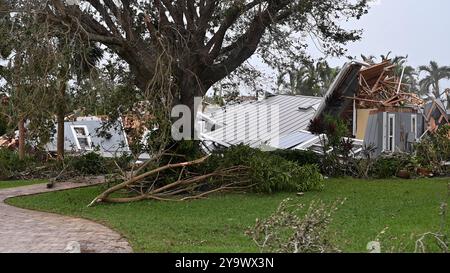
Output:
[[61, 112], [22, 139], [192, 91]]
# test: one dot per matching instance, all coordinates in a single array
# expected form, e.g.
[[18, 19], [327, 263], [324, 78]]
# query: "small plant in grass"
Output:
[[431, 241], [286, 232], [439, 239]]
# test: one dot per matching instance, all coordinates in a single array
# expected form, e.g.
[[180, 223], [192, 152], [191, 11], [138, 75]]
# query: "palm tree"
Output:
[[371, 60], [327, 75], [300, 81], [434, 74], [309, 80], [410, 76]]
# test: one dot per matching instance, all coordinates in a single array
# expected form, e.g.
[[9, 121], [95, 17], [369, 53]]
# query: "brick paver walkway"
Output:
[[23, 231]]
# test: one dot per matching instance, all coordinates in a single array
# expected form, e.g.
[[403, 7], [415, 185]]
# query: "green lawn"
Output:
[[19, 183], [217, 224]]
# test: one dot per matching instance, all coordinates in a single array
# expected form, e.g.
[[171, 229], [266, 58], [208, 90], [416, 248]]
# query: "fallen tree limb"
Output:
[[104, 196], [191, 185]]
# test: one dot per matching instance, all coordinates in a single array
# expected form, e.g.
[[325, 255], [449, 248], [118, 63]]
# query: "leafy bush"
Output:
[[335, 160], [269, 172], [89, 164], [385, 167], [299, 156], [389, 165], [434, 149], [10, 164]]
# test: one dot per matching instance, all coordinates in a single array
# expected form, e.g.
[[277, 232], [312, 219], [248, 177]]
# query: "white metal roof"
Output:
[[262, 122]]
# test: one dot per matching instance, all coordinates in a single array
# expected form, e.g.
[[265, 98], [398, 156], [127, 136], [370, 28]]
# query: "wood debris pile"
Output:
[[380, 86]]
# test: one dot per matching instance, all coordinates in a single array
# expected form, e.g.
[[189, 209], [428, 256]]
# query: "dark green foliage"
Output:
[[123, 162], [11, 164], [269, 172], [89, 164], [336, 150], [386, 167], [333, 127], [3, 126], [299, 156], [190, 149]]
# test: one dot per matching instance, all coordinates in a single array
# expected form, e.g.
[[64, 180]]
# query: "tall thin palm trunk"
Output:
[[437, 90]]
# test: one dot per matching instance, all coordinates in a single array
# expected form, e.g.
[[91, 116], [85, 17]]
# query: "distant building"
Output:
[[85, 135]]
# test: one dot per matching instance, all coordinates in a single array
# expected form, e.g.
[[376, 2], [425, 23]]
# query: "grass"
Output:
[[218, 224], [19, 183]]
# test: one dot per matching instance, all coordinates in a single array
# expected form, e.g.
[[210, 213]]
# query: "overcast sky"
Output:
[[417, 28]]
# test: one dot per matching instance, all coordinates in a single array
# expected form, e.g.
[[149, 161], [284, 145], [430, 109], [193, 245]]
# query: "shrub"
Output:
[[389, 166], [434, 149], [89, 164], [299, 156], [10, 164], [336, 150], [123, 162], [385, 167], [269, 172]]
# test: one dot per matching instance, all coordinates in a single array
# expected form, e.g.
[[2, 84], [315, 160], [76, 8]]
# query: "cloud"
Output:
[[374, 2]]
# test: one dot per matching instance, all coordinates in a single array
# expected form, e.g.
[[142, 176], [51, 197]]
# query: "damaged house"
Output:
[[380, 110], [86, 134], [275, 122]]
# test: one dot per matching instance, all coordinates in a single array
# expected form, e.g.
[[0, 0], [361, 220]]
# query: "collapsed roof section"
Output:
[[345, 85], [379, 85], [367, 87]]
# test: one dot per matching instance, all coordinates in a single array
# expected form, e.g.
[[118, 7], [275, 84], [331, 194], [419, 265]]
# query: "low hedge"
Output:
[[269, 172]]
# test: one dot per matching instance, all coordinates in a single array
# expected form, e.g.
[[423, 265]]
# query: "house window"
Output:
[[414, 125], [83, 140], [391, 133]]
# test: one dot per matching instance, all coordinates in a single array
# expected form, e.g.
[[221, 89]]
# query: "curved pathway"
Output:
[[24, 231]]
